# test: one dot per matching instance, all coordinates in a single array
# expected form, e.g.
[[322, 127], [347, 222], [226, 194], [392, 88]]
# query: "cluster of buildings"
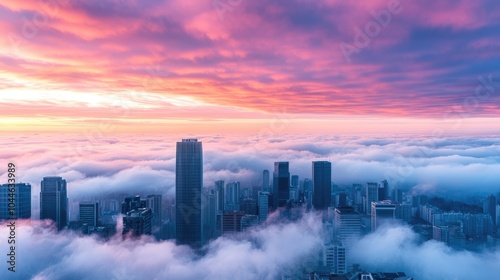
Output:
[[200, 213]]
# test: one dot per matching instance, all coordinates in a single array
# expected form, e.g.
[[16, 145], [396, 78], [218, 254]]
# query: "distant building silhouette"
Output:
[[137, 221], [382, 212], [265, 180], [22, 202], [219, 186], [281, 184], [489, 207], [89, 213], [188, 187], [54, 201], [263, 204], [231, 221], [322, 184]]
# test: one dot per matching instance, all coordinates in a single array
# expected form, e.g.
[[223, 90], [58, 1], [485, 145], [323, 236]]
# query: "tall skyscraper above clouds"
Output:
[[54, 201], [188, 187]]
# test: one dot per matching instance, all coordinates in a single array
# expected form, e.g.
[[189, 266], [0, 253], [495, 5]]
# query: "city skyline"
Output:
[[236, 139]]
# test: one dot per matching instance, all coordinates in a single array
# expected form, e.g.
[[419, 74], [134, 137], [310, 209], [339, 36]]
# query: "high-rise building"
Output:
[[308, 191], [263, 206], [281, 184], [232, 196], [371, 196], [489, 207], [334, 257], [132, 202], [89, 213], [383, 190], [154, 203], [249, 206], [22, 202], [188, 187], [137, 221], [231, 221], [219, 186], [382, 212], [347, 229], [54, 201], [210, 229], [265, 180], [322, 184], [397, 196]]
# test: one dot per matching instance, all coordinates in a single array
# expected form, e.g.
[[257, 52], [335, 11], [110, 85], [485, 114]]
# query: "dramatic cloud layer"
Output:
[[160, 61], [146, 164], [261, 253], [279, 248]]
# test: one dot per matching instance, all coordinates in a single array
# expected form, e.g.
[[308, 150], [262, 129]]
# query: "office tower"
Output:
[[340, 200], [249, 206], [383, 190], [219, 186], [347, 230], [231, 221], [265, 180], [382, 212], [22, 202], [137, 221], [131, 203], [154, 203], [294, 187], [188, 186], [397, 196], [249, 221], [255, 192], [308, 191], [54, 201], [263, 206], [295, 181], [489, 207], [210, 229], [232, 196], [89, 213], [334, 257], [371, 196], [322, 184], [281, 184], [440, 233]]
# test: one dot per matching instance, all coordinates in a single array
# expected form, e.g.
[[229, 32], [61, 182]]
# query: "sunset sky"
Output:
[[241, 66]]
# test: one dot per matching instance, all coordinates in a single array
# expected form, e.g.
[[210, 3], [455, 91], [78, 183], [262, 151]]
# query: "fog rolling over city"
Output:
[[289, 242], [261, 253]]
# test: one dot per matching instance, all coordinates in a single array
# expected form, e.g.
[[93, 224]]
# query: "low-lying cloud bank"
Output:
[[278, 247], [260, 253], [146, 164]]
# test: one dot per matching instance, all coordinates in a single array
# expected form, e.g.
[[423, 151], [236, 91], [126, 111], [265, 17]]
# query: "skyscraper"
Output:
[[154, 203], [219, 186], [54, 201], [322, 181], [347, 228], [232, 196], [281, 184], [489, 207], [22, 204], [188, 187], [137, 221], [382, 212], [371, 196], [265, 180], [263, 205], [89, 213]]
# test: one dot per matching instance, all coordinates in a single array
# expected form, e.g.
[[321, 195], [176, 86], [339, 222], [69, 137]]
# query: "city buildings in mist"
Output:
[[230, 207]]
